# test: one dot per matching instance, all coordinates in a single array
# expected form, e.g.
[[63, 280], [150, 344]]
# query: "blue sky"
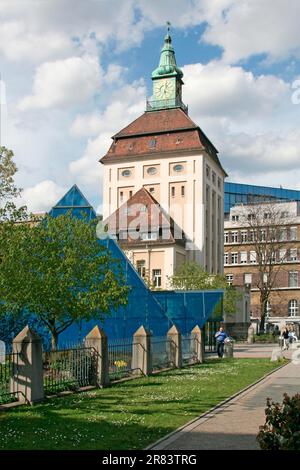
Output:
[[77, 72]]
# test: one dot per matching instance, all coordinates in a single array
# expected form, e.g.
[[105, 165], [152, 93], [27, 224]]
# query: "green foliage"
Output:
[[8, 190], [58, 270], [281, 430], [192, 276], [264, 338]]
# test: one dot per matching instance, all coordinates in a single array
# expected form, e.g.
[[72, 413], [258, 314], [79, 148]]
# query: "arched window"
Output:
[[293, 308], [268, 309]]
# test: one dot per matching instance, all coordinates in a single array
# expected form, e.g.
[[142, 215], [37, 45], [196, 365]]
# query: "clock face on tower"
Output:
[[164, 89]]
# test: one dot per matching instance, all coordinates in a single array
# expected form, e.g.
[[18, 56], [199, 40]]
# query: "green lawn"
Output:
[[129, 415]]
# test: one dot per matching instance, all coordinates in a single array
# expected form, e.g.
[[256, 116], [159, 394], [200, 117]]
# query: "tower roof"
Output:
[[163, 132], [167, 63]]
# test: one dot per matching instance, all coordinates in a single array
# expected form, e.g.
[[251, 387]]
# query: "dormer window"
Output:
[[126, 173], [152, 143]]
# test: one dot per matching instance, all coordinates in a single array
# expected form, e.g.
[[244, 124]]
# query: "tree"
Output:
[[267, 226], [192, 276], [8, 190], [60, 271]]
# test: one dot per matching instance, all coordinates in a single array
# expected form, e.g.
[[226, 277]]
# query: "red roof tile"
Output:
[[136, 146], [158, 121]]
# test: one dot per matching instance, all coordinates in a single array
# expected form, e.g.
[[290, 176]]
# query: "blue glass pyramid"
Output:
[[75, 201]]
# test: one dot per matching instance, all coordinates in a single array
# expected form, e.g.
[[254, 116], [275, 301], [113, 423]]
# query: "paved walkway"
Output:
[[235, 424]]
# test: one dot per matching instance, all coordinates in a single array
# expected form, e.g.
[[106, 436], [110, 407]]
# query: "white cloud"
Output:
[[272, 152], [64, 83], [17, 43], [42, 196], [249, 27], [127, 104], [220, 90]]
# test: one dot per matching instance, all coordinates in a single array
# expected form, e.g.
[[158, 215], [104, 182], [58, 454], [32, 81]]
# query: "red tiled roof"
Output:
[[136, 146], [158, 121], [172, 129], [131, 216]]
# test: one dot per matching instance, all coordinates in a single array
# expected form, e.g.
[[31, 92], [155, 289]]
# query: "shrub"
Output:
[[282, 428], [264, 338]]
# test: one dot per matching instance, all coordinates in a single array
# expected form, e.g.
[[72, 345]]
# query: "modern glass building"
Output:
[[236, 193]]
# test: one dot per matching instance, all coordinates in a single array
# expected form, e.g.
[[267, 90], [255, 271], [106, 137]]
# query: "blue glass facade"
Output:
[[236, 193]]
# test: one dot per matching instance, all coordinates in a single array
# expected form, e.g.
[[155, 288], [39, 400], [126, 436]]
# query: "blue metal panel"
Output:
[[236, 193]]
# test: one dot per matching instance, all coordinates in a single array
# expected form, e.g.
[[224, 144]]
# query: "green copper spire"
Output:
[[167, 64], [167, 80]]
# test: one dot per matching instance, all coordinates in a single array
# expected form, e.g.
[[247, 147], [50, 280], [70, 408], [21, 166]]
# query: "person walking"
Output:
[[285, 335], [220, 336]]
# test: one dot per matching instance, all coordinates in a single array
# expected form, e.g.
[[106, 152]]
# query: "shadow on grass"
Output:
[[51, 431]]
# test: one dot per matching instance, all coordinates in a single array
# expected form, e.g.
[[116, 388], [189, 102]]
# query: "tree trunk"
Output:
[[262, 316], [54, 339]]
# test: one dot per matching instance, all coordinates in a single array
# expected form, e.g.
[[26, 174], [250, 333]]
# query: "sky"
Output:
[[75, 72]]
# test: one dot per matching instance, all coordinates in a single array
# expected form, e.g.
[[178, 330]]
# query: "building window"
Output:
[[282, 255], [226, 258], [234, 258], [252, 257], [151, 190], [251, 216], [248, 278], [293, 308], [244, 236], [219, 183], [244, 257], [130, 193], [182, 191], [207, 172], [293, 254], [126, 173], [293, 279], [152, 170], [149, 236], [121, 196], [213, 177], [173, 191], [252, 236], [141, 267], [234, 237], [235, 218], [226, 237], [178, 168], [293, 233], [282, 235], [262, 235], [229, 278], [152, 143], [156, 277]]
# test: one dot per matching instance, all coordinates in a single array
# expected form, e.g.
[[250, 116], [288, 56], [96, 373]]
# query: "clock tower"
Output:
[[167, 80]]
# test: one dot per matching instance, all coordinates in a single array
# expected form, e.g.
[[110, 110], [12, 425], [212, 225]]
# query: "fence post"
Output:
[[175, 350], [199, 343], [141, 352], [250, 338], [27, 375], [97, 340]]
